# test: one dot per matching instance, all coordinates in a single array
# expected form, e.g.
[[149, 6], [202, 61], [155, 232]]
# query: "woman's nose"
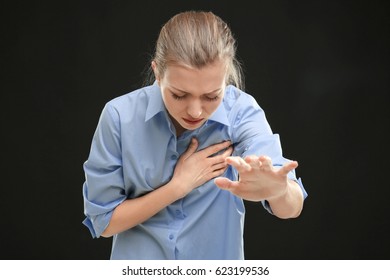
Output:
[[195, 109]]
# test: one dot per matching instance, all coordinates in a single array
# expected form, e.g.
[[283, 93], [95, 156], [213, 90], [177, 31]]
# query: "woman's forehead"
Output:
[[206, 79]]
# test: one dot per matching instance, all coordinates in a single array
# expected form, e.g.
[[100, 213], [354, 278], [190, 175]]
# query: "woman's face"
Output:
[[192, 95]]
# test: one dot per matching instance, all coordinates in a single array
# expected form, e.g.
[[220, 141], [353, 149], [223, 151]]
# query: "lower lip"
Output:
[[193, 122]]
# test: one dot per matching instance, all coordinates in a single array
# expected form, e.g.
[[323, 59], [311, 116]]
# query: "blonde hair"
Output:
[[196, 39]]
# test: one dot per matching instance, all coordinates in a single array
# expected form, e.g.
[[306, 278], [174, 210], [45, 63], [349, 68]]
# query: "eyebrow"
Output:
[[186, 92]]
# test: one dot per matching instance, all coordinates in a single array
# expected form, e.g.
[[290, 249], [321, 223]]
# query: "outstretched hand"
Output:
[[258, 178]]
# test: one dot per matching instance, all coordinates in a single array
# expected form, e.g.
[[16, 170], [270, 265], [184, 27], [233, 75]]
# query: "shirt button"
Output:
[[173, 157], [171, 236], [178, 213]]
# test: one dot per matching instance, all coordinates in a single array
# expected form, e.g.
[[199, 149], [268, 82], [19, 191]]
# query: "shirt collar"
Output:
[[156, 105], [220, 115]]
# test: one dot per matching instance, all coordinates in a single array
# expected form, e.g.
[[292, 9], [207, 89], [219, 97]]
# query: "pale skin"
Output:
[[191, 96]]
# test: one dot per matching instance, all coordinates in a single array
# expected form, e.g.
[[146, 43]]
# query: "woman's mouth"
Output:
[[192, 121]]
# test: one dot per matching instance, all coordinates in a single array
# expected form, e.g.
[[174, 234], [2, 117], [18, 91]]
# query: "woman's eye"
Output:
[[205, 97], [177, 97], [212, 98]]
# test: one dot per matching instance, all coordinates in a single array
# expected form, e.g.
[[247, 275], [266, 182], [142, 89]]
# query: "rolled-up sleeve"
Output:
[[253, 136], [103, 189]]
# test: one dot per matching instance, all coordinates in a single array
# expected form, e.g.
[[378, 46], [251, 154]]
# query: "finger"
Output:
[[218, 172], [253, 161], [228, 152], [191, 147], [214, 174], [213, 149], [225, 183], [238, 163], [223, 156], [286, 168], [250, 159], [265, 162], [220, 165]]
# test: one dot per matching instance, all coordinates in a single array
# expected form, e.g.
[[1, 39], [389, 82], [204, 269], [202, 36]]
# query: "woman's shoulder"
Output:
[[239, 99], [133, 100]]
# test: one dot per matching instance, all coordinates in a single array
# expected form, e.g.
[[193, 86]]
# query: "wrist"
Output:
[[176, 189], [283, 194], [289, 204]]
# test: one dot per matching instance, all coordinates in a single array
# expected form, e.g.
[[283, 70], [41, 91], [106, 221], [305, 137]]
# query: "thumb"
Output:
[[224, 183], [285, 169], [191, 147]]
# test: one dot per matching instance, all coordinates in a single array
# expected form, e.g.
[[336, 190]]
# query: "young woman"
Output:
[[171, 163]]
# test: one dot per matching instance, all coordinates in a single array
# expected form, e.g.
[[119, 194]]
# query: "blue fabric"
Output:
[[134, 151]]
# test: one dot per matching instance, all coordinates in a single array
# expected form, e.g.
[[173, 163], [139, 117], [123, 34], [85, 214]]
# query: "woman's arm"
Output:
[[132, 212], [289, 204], [192, 170], [260, 180]]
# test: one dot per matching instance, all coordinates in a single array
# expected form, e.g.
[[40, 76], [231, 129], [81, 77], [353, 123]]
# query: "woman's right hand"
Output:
[[195, 168]]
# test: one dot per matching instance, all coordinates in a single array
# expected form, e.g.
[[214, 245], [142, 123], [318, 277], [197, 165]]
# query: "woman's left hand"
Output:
[[258, 178]]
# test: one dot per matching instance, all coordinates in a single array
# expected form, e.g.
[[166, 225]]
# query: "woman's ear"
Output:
[[155, 71]]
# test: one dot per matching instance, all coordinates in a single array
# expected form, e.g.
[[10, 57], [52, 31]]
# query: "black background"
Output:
[[319, 69]]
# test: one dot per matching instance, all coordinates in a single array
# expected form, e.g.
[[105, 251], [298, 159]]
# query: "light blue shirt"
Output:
[[134, 151]]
